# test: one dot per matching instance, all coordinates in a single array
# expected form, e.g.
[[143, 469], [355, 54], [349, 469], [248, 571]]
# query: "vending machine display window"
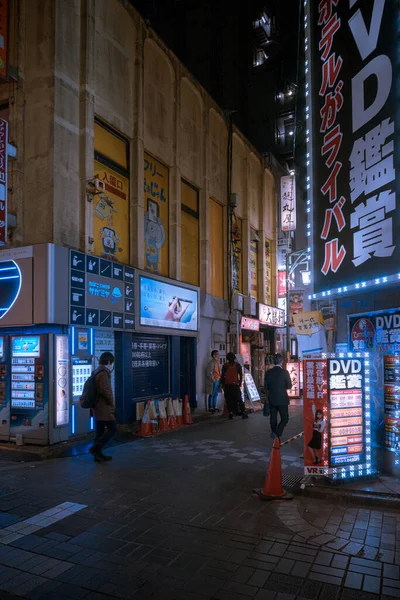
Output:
[[81, 369], [23, 383], [26, 346]]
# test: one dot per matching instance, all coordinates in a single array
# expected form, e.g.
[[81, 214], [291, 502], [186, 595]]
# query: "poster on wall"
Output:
[[296, 304], [62, 381], [315, 414], [379, 330], [268, 272], [288, 203], [310, 332], [111, 215], [168, 306], [156, 220], [352, 58]]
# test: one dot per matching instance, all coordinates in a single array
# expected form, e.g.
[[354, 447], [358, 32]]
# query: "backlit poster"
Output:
[[253, 267], [111, 215], [156, 220], [62, 381], [294, 371], [315, 411]]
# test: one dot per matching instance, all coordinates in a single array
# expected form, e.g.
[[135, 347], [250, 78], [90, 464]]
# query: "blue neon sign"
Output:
[[10, 285]]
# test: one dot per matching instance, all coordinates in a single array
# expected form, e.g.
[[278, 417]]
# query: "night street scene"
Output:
[[199, 300]]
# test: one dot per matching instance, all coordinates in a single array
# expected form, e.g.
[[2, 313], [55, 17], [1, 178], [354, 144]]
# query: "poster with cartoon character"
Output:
[[111, 216], [156, 194]]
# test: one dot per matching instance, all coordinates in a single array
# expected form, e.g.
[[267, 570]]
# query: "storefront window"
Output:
[[111, 207], [189, 234], [150, 366], [216, 271], [156, 218]]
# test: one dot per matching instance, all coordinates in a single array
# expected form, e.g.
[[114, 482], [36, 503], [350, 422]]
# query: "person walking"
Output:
[[213, 381], [104, 408], [231, 380], [276, 383]]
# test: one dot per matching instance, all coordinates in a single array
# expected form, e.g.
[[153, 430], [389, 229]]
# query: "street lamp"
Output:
[[294, 260]]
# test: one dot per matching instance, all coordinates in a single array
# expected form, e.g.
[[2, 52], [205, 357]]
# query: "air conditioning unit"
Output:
[[250, 306], [237, 302]]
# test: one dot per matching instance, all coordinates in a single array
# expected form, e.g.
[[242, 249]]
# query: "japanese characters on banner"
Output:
[[315, 411], [288, 203], [380, 330], [310, 332], [268, 272], [3, 181], [251, 388], [270, 315], [296, 304], [294, 372], [352, 56], [253, 267], [4, 16], [111, 216], [156, 216], [392, 402], [346, 401]]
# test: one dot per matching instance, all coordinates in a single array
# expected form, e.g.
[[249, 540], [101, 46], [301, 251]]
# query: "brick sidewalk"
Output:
[[174, 518]]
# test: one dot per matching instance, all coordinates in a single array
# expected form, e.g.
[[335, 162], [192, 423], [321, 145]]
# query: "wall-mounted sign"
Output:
[[268, 272], [353, 58], [3, 170], [315, 414], [102, 292], [288, 203], [10, 285], [250, 324], [169, 306], [381, 330], [271, 315], [310, 332]]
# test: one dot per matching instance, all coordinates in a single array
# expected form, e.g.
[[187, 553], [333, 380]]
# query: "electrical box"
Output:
[[250, 306], [237, 303]]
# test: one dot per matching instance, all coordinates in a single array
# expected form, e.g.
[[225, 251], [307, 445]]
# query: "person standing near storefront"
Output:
[[276, 383], [213, 381], [231, 380], [104, 408]]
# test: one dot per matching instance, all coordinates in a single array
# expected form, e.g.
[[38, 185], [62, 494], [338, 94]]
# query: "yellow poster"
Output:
[[308, 323], [111, 215], [156, 222]]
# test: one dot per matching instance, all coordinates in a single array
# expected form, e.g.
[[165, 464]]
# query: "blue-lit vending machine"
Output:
[[29, 388], [82, 366], [4, 389]]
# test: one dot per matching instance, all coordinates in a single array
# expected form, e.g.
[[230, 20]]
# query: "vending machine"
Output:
[[4, 389], [29, 388], [82, 366]]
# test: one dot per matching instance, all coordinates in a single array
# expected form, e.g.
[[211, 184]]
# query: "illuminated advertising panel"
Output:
[[315, 411], [294, 372], [168, 306], [62, 381], [26, 346]]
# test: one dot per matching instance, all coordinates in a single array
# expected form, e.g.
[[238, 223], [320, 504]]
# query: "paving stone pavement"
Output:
[[174, 518]]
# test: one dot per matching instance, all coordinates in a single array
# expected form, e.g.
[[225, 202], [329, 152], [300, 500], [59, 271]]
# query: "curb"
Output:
[[377, 499]]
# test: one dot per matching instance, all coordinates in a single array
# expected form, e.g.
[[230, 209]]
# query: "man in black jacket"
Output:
[[276, 383]]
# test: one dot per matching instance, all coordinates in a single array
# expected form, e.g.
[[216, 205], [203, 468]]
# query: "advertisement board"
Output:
[[351, 58], [3, 170], [150, 366], [294, 372], [315, 412], [253, 268], [4, 18], [392, 402], [26, 346], [250, 324], [288, 203], [271, 315], [375, 330], [168, 306], [268, 271], [62, 381]]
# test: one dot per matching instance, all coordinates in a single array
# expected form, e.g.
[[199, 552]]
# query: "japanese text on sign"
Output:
[[288, 203], [270, 315]]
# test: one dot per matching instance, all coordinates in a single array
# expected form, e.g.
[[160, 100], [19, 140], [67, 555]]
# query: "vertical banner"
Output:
[[3, 181], [392, 402], [352, 51], [296, 304], [294, 372], [268, 272], [156, 216], [253, 267], [111, 215], [237, 255], [315, 411], [4, 16], [288, 203]]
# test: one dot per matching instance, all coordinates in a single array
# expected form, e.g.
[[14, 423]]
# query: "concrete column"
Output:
[[86, 122], [175, 186], [204, 203], [137, 155]]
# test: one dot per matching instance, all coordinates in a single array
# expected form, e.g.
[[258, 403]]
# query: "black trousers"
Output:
[[105, 430], [283, 411], [233, 397]]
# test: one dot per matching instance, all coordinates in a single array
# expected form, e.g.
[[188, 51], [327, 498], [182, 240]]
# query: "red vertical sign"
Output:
[[3, 180], [315, 410], [3, 38]]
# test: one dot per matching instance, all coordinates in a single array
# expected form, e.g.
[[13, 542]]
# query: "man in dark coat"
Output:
[[276, 383]]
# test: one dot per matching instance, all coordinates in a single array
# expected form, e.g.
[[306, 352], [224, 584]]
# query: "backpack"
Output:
[[231, 376], [89, 393]]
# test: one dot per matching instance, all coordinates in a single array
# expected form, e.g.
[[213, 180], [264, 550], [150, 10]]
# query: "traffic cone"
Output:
[[187, 415], [171, 415], [273, 489], [162, 416], [178, 412], [146, 427]]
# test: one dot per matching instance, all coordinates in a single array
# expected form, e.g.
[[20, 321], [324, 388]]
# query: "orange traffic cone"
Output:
[[146, 427], [178, 412], [273, 489], [162, 416], [171, 415], [187, 415]]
